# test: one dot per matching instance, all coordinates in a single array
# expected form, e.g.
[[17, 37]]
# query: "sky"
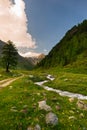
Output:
[[36, 26]]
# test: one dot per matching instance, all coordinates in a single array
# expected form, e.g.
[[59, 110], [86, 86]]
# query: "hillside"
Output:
[[71, 50], [23, 63]]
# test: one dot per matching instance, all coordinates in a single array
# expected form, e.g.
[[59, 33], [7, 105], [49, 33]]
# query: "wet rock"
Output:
[[51, 119], [50, 77], [44, 106]]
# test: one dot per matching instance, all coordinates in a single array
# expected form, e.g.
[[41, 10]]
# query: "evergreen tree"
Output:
[[9, 56]]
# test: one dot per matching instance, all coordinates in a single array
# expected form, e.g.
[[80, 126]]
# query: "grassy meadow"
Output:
[[19, 102], [67, 80]]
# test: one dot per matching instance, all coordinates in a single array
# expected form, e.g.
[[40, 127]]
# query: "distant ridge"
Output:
[[34, 58], [72, 49]]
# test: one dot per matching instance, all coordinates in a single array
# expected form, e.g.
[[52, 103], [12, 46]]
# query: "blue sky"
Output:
[[50, 19], [40, 23]]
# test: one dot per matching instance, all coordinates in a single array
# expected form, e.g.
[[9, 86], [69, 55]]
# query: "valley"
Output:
[[47, 92]]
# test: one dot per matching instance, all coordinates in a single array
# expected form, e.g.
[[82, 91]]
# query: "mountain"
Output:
[[36, 59], [33, 57], [71, 50], [23, 63]]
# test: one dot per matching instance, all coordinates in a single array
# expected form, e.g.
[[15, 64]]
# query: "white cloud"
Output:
[[30, 54], [13, 24]]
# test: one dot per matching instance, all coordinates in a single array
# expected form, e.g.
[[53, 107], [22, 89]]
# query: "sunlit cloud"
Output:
[[30, 54], [13, 24]]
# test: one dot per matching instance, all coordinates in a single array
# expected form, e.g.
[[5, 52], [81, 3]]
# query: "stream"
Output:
[[60, 92]]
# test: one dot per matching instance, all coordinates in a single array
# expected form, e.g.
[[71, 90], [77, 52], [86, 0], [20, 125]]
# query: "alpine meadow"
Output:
[[41, 90]]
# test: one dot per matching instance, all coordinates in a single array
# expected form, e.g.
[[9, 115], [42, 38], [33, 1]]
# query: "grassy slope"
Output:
[[24, 96]]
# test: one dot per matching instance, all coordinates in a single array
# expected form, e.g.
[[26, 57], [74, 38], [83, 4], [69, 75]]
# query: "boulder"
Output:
[[82, 105], [44, 106], [51, 119]]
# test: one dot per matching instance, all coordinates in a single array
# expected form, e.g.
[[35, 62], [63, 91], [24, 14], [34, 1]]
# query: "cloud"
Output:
[[30, 54], [13, 23]]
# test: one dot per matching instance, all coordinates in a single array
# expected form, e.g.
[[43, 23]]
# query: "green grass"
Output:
[[68, 80], [11, 74], [24, 96]]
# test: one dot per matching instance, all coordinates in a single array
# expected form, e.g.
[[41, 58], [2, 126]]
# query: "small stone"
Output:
[[82, 105], [71, 99], [30, 128], [44, 106], [72, 117], [51, 119], [58, 108], [37, 127]]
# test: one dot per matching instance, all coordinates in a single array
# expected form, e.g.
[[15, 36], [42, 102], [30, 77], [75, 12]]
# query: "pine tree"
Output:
[[9, 56]]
